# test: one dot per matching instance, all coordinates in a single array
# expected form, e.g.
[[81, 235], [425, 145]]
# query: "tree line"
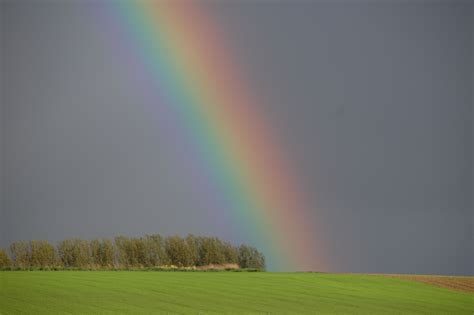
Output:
[[129, 253]]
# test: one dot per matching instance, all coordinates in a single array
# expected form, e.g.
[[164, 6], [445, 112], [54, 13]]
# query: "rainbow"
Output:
[[193, 68]]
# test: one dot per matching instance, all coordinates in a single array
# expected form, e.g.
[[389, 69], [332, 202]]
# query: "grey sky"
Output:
[[374, 101]]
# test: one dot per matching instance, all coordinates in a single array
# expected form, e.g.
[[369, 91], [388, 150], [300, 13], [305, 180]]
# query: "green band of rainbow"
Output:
[[193, 65]]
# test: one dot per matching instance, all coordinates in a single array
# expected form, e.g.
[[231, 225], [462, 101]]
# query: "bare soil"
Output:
[[457, 283]]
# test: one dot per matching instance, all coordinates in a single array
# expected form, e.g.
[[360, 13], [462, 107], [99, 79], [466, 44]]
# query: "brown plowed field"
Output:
[[458, 283]]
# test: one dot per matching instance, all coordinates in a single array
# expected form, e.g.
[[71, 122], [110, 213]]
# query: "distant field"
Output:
[[464, 284], [111, 292]]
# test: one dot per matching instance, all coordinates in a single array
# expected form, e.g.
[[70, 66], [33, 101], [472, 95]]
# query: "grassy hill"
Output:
[[109, 292]]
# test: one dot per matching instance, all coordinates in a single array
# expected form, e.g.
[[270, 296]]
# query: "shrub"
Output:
[[102, 253], [42, 254], [148, 252], [178, 251], [74, 253], [20, 253], [5, 261], [251, 258], [155, 251]]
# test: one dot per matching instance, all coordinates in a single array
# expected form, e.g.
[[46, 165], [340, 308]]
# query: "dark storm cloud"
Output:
[[373, 101]]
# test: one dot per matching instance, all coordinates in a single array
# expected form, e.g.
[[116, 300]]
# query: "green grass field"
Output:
[[112, 292]]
